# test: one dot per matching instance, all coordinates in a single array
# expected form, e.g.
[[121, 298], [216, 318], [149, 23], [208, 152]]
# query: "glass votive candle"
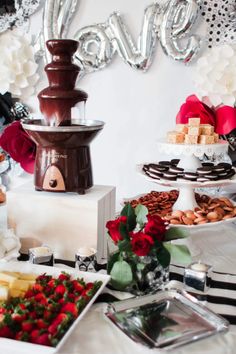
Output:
[[41, 255], [85, 259], [198, 276]]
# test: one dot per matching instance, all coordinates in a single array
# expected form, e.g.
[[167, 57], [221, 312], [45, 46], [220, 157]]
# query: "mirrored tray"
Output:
[[166, 320]]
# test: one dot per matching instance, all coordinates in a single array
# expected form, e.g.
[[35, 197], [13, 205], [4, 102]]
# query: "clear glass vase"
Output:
[[145, 274]]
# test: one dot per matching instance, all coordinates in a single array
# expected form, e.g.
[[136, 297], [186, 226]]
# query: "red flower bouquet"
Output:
[[16, 142], [140, 263]]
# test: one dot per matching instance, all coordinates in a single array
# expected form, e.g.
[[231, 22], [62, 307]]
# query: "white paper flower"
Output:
[[18, 70], [215, 75]]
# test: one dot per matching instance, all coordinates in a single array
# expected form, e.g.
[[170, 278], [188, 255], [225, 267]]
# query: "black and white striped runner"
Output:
[[221, 297]]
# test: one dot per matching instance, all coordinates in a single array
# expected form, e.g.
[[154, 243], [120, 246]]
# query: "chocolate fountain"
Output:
[[63, 162]]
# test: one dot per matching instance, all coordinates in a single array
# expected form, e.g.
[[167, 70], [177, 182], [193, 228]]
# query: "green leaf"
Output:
[[121, 275], [175, 233], [163, 257], [112, 259], [128, 211], [124, 246], [179, 253], [141, 214], [123, 231]]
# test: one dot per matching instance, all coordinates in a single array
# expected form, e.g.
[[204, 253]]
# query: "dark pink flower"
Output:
[[17, 143]]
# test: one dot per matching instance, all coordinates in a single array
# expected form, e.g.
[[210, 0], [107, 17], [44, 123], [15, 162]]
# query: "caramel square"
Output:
[[182, 128], [206, 139], [194, 121], [206, 129], [216, 138], [174, 137], [193, 130], [191, 139]]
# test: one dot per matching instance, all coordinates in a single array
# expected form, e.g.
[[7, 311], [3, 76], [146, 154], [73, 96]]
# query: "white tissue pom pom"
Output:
[[215, 75], [17, 65]]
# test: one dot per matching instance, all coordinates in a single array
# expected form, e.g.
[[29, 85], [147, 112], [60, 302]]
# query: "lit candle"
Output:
[[199, 267], [198, 276]]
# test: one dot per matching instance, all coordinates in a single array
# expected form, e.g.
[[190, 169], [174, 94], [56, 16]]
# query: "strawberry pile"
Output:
[[47, 310]]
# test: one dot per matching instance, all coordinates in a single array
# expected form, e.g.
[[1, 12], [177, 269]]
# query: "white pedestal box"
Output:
[[63, 221]]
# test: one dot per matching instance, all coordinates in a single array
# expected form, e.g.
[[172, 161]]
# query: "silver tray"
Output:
[[166, 320]]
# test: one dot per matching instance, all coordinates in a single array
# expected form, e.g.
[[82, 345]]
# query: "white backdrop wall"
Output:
[[138, 108]]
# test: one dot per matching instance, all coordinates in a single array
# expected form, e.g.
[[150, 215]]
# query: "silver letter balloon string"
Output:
[[170, 23]]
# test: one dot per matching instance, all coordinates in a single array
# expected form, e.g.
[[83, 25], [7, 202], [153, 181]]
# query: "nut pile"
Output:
[[158, 203], [209, 210]]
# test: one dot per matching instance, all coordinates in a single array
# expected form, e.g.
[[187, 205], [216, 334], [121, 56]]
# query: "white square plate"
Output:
[[12, 346]]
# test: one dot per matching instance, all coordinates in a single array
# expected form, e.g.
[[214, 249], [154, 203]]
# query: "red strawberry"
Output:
[[19, 317], [33, 314], [34, 334], [27, 326], [71, 297], [40, 323], [64, 276], [52, 283], [43, 339], [89, 286], [6, 332], [47, 315], [62, 317], [23, 336], [41, 298], [29, 293], [60, 289], [77, 286], [37, 288], [22, 306], [71, 308]]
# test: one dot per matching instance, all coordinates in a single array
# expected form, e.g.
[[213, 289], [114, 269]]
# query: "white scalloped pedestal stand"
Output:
[[189, 160]]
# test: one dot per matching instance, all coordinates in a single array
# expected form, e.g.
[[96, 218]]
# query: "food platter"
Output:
[[182, 183], [18, 347]]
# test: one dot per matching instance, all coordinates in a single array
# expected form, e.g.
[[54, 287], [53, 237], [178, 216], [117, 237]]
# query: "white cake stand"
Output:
[[189, 160]]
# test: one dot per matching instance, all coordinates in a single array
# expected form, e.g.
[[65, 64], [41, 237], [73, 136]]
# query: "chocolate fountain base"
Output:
[[63, 161]]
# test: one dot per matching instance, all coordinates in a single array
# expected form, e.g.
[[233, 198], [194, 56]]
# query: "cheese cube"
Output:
[[206, 129], [3, 293], [191, 139], [28, 276], [216, 138], [194, 121], [194, 130], [20, 284], [182, 128], [174, 137], [206, 139], [16, 293], [7, 277]]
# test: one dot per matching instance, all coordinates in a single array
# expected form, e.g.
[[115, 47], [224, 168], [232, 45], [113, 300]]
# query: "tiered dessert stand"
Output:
[[189, 160]]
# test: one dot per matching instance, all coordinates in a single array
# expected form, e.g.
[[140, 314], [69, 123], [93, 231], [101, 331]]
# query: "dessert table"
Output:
[[97, 335], [216, 246]]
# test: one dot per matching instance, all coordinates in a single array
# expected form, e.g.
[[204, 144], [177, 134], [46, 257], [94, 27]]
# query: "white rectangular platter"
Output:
[[10, 346]]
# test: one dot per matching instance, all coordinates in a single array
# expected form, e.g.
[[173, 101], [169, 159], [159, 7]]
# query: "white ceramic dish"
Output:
[[18, 347], [188, 227]]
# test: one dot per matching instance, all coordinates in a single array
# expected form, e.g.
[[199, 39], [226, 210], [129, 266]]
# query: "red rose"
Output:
[[193, 108], [141, 243], [155, 227], [114, 228], [16, 142]]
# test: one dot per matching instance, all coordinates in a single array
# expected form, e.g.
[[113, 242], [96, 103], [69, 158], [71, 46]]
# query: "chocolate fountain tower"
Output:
[[63, 161]]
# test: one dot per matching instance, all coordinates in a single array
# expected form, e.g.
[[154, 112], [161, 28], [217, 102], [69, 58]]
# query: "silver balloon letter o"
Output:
[[95, 48]]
